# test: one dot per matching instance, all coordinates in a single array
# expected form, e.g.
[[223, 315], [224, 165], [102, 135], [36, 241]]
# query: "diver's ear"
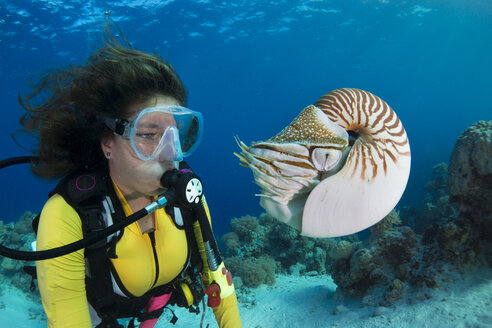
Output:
[[107, 143]]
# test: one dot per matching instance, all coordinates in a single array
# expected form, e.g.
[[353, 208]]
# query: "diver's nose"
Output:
[[171, 152], [171, 147]]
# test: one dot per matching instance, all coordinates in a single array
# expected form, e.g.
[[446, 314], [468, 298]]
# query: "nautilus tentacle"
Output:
[[321, 181]]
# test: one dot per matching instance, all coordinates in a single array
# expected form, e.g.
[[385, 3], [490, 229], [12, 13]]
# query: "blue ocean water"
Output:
[[252, 66]]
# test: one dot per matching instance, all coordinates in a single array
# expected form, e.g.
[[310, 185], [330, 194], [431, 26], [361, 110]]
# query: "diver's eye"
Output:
[[148, 138], [146, 135]]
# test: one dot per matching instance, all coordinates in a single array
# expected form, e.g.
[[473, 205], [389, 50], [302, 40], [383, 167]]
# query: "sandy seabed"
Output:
[[311, 301]]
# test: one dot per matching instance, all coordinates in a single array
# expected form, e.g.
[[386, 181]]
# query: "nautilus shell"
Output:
[[339, 167]]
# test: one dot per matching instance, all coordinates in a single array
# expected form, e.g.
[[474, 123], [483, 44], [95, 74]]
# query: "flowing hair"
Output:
[[64, 110]]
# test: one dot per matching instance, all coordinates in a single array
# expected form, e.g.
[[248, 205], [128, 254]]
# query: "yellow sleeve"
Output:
[[227, 313], [62, 279]]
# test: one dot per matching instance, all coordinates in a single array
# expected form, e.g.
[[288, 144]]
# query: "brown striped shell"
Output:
[[324, 183]]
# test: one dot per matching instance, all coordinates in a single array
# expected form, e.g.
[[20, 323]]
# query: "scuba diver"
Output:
[[117, 130]]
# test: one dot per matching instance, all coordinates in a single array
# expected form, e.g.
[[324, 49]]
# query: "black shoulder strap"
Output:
[[78, 189], [86, 192], [81, 187]]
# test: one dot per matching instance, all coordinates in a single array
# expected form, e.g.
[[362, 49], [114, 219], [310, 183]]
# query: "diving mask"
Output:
[[165, 132]]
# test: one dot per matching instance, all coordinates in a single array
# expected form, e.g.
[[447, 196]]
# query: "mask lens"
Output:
[[189, 132], [149, 130], [170, 132]]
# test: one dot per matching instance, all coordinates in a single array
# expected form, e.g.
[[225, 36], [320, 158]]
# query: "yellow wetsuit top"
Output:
[[62, 280]]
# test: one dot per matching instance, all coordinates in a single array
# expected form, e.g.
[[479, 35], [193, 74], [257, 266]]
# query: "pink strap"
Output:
[[154, 304]]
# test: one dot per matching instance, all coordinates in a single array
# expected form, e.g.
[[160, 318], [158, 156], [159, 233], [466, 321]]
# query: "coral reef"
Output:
[[470, 172], [19, 236], [253, 272], [257, 248], [381, 266], [470, 188], [461, 241], [436, 204]]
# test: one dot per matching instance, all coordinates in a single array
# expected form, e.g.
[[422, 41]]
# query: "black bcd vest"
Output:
[[86, 192]]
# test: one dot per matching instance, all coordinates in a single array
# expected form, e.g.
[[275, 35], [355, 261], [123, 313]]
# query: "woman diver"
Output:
[[111, 128]]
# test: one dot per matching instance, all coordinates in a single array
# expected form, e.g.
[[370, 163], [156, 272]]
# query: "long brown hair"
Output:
[[67, 120]]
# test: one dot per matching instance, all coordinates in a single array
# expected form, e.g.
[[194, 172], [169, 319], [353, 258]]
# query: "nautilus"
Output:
[[339, 167]]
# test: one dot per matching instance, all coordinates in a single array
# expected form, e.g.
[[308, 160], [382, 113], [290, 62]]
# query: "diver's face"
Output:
[[136, 177]]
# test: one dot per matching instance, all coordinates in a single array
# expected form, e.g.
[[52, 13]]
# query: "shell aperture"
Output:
[[314, 180]]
